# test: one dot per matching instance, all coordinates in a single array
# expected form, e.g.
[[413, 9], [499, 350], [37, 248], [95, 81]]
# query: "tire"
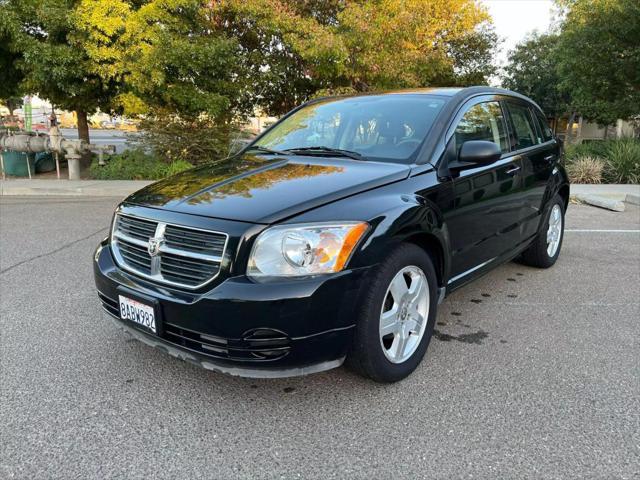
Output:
[[540, 253], [380, 358]]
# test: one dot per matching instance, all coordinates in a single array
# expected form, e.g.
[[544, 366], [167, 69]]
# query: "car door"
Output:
[[483, 221], [538, 151]]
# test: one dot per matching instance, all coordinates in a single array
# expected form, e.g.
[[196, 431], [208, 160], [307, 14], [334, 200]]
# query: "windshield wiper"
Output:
[[262, 149], [323, 149]]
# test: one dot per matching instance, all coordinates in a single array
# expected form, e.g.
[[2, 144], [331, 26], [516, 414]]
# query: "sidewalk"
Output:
[[122, 188], [91, 188]]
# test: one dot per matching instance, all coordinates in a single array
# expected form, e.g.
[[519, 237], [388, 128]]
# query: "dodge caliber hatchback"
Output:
[[334, 236]]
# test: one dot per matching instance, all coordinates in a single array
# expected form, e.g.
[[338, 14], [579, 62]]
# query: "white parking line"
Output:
[[600, 231]]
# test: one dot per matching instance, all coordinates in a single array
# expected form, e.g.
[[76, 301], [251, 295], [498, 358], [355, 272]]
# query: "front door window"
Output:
[[483, 121]]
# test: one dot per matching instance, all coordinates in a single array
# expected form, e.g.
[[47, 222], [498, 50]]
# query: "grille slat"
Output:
[[188, 264], [181, 277], [185, 268], [137, 253], [142, 230], [187, 257], [195, 240]]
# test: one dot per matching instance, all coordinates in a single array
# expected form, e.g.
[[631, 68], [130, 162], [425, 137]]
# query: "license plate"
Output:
[[137, 312]]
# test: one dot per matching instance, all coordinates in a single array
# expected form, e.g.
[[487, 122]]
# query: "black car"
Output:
[[336, 233]]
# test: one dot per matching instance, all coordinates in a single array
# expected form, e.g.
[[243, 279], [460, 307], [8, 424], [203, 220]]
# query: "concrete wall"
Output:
[[588, 131]]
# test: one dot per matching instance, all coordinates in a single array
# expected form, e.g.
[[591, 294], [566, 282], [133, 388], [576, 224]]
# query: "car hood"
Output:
[[257, 189]]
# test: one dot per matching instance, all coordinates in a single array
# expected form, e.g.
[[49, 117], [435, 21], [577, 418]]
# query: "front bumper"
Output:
[[241, 327]]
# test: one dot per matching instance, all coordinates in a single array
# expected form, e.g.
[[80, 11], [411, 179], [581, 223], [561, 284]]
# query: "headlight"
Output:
[[306, 249]]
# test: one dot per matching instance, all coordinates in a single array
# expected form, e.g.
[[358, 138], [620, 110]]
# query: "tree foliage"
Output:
[[413, 43], [532, 71], [10, 75], [599, 58], [219, 59], [51, 55], [589, 65], [165, 54], [297, 48]]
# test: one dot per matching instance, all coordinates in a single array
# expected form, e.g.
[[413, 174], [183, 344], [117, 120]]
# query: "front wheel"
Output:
[[397, 316], [545, 249]]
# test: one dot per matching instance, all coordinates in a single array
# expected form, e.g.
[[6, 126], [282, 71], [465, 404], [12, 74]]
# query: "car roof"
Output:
[[455, 94]]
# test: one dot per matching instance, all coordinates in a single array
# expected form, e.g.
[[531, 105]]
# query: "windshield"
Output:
[[380, 127]]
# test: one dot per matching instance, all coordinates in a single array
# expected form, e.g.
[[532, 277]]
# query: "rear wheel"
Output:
[[545, 249], [397, 316]]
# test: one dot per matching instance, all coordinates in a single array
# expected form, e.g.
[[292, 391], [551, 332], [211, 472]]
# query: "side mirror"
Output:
[[479, 152]]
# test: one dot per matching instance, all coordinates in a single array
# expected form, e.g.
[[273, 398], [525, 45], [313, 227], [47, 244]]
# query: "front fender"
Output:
[[394, 217]]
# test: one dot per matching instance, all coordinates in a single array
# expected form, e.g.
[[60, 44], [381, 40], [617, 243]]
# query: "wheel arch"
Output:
[[432, 245], [563, 191]]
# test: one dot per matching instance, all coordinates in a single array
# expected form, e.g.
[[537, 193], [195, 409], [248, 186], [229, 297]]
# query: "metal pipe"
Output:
[[55, 143]]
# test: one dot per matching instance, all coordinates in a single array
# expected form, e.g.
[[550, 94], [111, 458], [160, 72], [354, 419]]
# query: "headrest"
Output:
[[391, 129]]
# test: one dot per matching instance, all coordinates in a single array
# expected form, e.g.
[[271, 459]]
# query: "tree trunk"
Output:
[[83, 134], [83, 125], [569, 128]]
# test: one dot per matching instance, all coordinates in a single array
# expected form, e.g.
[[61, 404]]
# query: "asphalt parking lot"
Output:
[[532, 374]]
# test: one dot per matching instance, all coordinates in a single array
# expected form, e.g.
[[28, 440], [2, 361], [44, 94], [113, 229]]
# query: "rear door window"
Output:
[[483, 121], [547, 133], [524, 129]]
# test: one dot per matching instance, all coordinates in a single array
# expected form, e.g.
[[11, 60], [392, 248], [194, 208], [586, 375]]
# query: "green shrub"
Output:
[[585, 170], [597, 148], [194, 140], [623, 161], [620, 157], [135, 165]]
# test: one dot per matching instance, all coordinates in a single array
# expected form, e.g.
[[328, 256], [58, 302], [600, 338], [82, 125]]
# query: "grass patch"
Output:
[[135, 165]]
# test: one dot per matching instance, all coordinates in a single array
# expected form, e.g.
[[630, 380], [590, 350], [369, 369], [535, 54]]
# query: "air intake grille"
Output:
[[258, 345], [169, 254]]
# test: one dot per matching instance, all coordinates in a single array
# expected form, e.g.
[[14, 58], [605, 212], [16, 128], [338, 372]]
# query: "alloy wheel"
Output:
[[554, 232], [404, 314]]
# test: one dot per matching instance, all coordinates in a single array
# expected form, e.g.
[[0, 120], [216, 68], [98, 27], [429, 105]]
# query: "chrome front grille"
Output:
[[170, 254]]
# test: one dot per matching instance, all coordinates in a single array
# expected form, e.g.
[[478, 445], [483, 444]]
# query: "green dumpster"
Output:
[[15, 163]]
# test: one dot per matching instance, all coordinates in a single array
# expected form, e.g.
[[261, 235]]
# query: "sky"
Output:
[[513, 19]]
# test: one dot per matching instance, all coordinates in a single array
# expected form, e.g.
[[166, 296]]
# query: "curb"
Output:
[[613, 202], [633, 199], [80, 188], [122, 188], [602, 202]]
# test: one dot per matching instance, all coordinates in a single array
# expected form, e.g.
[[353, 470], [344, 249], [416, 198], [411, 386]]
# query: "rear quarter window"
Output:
[[547, 133], [523, 127]]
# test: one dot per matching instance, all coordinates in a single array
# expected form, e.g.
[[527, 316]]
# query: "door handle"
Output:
[[512, 171], [550, 158]]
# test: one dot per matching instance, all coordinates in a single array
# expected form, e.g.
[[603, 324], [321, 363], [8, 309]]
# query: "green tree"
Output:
[[599, 58], [51, 57], [220, 58], [288, 47], [167, 55], [532, 70], [298, 48], [10, 76], [413, 43]]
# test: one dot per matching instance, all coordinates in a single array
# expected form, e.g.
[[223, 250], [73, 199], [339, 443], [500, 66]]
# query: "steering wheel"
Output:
[[408, 141]]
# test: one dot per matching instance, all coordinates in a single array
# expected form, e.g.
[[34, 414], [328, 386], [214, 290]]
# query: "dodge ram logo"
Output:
[[154, 246]]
